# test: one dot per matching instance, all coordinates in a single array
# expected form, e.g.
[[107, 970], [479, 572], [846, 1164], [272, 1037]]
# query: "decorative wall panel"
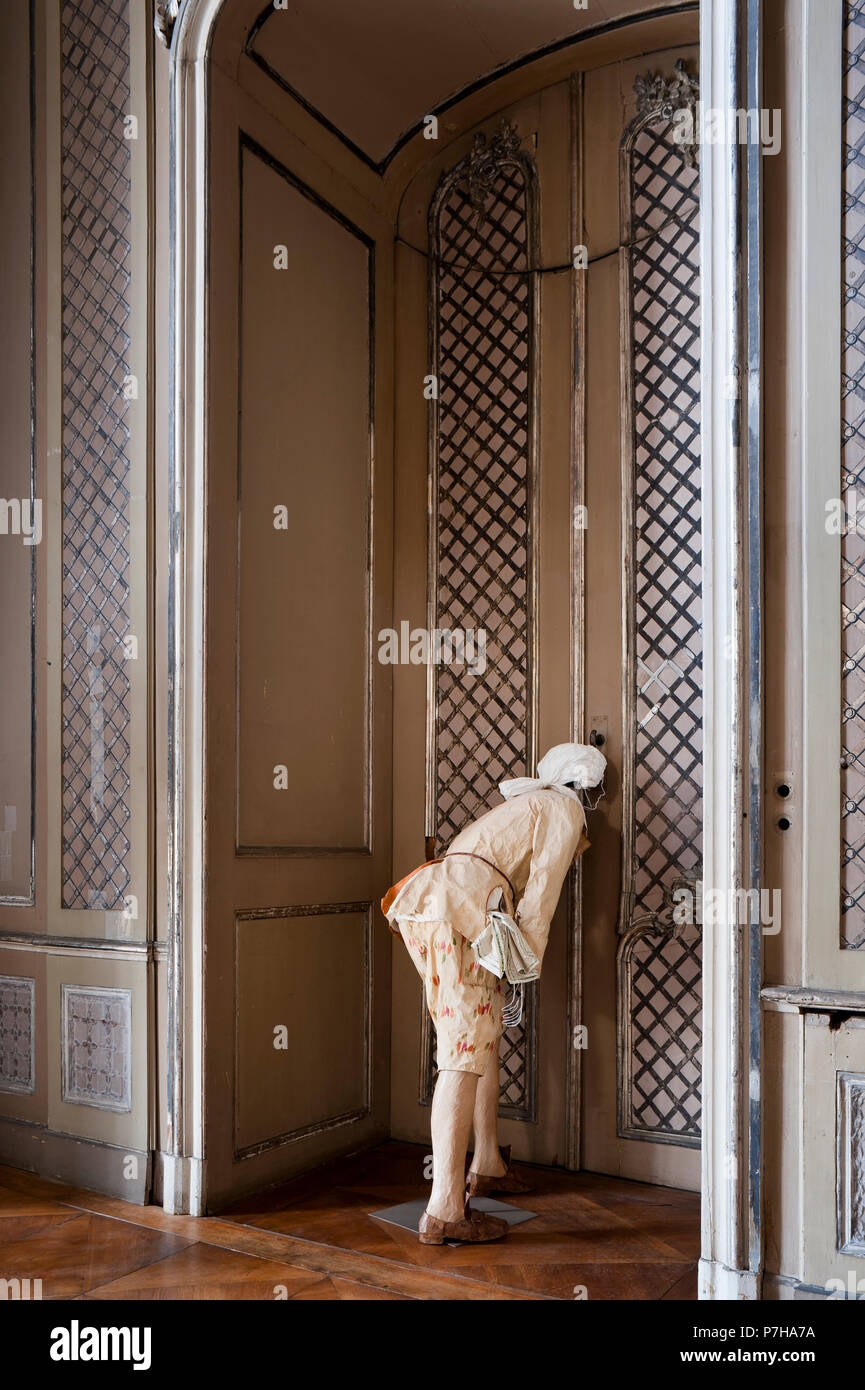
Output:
[[306, 344], [853, 481], [96, 489], [483, 292], [20, 509], [851, 1163], [17, 1034], [287, 960], [96, 1033], [659, 957]]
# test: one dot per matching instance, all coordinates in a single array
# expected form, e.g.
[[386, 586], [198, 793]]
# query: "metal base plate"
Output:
[[408, 1214]]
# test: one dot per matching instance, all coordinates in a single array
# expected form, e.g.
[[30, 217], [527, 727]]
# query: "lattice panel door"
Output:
[[483, 309], [96, 282], [853, 483], [660, 963]]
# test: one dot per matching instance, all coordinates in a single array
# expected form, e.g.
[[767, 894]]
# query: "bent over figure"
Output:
[[472, 921]]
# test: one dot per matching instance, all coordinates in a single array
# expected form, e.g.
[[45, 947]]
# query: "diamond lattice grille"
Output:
[[483, 303], [666, 1024], [96, 278], [853, 484], [483, 495], [664, 971]]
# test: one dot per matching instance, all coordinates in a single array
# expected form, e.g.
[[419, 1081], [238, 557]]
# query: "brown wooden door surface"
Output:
[[641, 993], [298, 730], [520, 467], [497, 556]]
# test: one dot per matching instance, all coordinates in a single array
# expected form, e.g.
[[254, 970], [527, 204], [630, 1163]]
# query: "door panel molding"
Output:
[[209, 880], [248, 145], [330, 1122]]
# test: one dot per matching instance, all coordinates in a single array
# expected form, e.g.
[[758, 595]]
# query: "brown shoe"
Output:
[[475, 1226], [480, 1185]]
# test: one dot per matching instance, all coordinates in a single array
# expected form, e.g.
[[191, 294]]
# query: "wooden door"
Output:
[[297, 707], [486, 458], [641, 968], [558, 472]]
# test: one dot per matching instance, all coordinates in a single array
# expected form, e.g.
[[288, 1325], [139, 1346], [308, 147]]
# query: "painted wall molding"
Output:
[[731, 1263], [188, 76], [113, 1169]]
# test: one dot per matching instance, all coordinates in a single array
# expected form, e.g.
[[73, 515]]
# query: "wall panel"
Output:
[[20, 509], [302, 1017], [303, 573]]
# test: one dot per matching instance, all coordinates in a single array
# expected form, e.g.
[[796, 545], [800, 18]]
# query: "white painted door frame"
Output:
[[731, 1259], [189, 34], [731, 1263]]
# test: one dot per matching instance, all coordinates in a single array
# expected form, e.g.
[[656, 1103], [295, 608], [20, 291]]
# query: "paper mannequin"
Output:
[[514, 858]]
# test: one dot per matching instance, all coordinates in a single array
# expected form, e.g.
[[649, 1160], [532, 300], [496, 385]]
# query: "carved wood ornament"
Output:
[[665, 97], [165, 14], [484, 163]]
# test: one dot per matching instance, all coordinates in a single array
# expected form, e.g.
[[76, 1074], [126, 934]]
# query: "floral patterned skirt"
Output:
[[465, 1001]]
